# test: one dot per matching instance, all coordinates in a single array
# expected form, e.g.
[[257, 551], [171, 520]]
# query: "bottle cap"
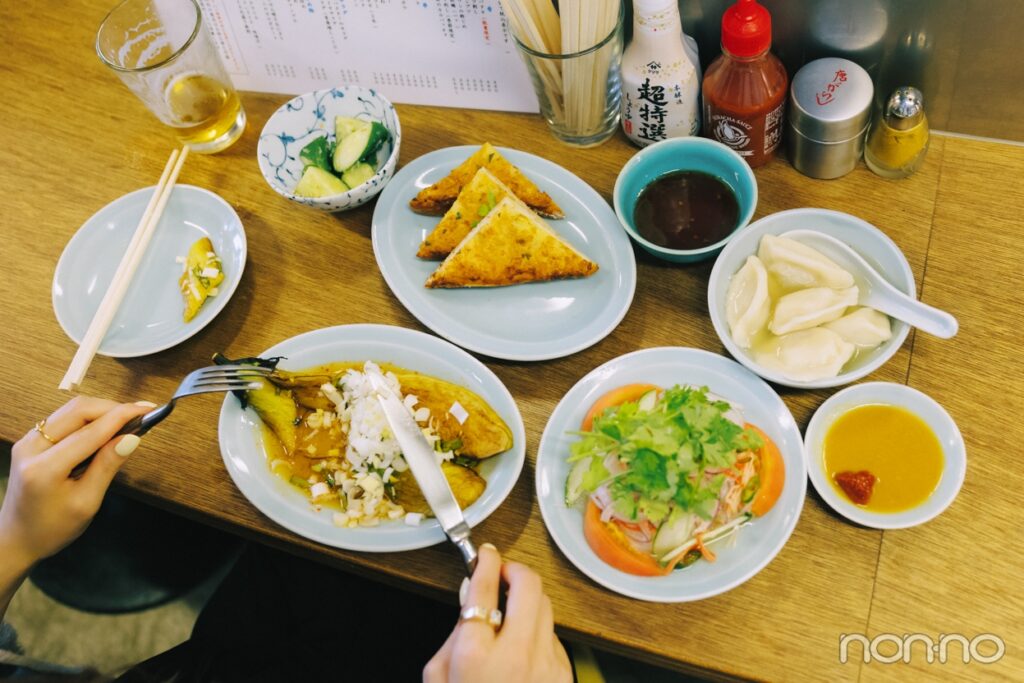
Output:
[[830, 100], [905, 108], [746, 29]]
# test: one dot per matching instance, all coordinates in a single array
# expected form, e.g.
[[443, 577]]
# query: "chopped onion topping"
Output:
[[458, 412]]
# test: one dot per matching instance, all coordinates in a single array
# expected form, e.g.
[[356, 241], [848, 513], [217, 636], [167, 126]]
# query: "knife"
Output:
[[419, 454]]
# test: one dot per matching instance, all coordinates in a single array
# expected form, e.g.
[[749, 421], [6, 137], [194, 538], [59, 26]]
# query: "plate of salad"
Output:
[[671, 474]]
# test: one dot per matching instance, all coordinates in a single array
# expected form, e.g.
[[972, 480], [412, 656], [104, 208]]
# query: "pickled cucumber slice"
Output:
[[358, 174], [316, 182]]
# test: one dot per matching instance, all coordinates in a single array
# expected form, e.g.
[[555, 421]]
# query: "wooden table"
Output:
[[75, 139]]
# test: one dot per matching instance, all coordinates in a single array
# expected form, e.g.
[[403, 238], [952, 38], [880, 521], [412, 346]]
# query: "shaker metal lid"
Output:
[[905, 108], [830, 100]]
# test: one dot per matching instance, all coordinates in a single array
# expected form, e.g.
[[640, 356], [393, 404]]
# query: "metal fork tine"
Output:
[[236, 382], [234, 370], [224, 386]]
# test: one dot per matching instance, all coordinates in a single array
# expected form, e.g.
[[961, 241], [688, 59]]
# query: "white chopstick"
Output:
[[125, 271]]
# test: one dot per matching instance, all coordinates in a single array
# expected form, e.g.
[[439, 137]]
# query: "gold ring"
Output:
[[40, 427], [491, 617]]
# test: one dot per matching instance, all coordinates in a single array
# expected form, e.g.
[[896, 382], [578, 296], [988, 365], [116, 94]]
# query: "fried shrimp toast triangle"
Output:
[[478, 197], [437, 198], [509, 246]]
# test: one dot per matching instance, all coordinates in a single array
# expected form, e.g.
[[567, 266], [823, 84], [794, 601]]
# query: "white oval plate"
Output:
[[241, 441], [922, 405], [756, 544], [527, 322], [150, 317]]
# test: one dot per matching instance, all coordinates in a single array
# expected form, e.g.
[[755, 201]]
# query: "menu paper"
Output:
[[452, 53]]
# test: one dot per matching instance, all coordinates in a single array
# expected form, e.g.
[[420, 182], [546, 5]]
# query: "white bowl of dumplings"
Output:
[[790, 314]]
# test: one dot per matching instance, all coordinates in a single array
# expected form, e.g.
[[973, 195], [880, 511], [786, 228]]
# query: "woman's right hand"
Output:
[[44, 508], [524, 650]]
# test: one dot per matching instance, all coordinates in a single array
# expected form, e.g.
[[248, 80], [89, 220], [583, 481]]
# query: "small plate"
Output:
[[150, 317], [241, 441], [934, 415], [756, 543], [528, 322]]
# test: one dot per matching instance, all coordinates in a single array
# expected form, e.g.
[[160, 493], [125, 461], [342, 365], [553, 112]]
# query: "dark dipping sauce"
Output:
[[686, 210]]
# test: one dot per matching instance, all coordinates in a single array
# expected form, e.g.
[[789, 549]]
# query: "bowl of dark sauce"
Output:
[[681, 199]]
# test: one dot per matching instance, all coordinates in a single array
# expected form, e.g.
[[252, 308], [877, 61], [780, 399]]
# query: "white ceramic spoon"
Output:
[[875, 291]]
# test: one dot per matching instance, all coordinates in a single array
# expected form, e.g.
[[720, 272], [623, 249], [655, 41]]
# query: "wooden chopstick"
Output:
[[125, 271]]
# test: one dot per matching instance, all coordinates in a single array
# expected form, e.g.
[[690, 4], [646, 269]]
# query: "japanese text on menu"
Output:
[[454, 53]]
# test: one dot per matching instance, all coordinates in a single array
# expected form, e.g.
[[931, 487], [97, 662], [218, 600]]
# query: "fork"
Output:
[[202, 381]]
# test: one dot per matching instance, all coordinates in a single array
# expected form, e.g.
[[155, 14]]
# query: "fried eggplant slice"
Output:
[[482, 434], [276, 407], [203, 273], [465, 483]]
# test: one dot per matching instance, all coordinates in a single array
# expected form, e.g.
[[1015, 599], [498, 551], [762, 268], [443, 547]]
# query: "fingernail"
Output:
[[489, 545], [463, 591], [145, 404], [127, 445]]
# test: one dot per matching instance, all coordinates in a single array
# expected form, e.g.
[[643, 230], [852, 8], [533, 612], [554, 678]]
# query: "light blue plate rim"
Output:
[[580, 202], [240, 440], [666, 366], [210, 309]]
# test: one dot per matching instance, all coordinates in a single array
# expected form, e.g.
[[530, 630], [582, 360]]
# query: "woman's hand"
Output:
[[44, 509], [525, 650]]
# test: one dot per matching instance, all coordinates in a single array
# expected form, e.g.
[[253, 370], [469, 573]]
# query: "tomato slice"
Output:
[[623, 394], [608, 541], [771, 472]]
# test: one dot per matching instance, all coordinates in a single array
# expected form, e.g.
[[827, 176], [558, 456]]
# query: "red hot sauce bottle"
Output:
[[745, 88]]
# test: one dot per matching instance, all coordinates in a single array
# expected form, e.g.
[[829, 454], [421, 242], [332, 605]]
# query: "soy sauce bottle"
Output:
[[745, 88]]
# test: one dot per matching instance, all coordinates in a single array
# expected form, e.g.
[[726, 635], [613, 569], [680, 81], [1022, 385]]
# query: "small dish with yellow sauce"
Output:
[[885, 455]]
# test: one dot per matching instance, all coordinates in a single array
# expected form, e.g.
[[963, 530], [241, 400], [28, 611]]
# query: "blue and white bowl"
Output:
[[309, 116]]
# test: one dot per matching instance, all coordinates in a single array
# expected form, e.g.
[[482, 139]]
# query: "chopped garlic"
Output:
[[340, 519], [209, 272], [319, 489], [458, 412], [413, 518], [421, 414], [214, 291]]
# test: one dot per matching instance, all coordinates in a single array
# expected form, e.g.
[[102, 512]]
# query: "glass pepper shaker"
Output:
[[898, 140]]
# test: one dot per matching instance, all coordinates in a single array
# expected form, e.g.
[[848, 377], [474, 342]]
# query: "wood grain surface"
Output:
[[75, 139]]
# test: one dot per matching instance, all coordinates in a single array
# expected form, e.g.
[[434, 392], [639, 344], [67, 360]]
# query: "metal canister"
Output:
[[829, 110]]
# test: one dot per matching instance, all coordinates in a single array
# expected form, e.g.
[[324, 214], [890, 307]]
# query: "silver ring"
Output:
[[491, 617]]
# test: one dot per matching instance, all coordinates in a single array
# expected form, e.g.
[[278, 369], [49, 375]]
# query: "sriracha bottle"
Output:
[[745, 88]]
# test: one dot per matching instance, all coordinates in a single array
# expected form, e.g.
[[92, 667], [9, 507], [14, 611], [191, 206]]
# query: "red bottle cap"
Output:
[[746, 29]]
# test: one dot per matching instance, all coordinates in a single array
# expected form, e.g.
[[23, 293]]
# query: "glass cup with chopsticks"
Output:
[[162, 52], [573, 58]]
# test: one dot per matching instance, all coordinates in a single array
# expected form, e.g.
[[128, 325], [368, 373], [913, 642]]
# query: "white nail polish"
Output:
[[127, 445], [145, 404], [463, 591]]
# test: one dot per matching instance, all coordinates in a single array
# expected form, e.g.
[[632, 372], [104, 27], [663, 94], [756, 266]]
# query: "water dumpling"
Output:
[[863, 327], [806, 355], [797, 266], [810, 308], [747, 304]]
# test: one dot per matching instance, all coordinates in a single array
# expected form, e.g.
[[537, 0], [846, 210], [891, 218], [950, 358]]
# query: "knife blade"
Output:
[[419, 454]]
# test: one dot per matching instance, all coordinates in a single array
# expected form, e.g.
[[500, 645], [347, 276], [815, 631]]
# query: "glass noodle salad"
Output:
[[665, 473]]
